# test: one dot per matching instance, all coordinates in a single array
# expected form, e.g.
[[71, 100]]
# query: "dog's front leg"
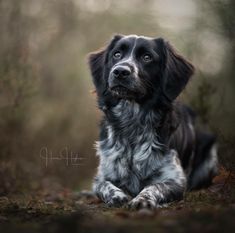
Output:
[[109, 193], [166, 187]]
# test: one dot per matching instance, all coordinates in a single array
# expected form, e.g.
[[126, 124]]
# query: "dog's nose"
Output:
[[121, 72]]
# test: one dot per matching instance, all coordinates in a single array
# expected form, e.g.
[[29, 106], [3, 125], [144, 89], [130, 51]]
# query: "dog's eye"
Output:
[[117, 55], [147, 57]]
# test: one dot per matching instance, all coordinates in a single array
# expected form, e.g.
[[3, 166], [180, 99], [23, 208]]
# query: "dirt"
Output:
[[208, 210]]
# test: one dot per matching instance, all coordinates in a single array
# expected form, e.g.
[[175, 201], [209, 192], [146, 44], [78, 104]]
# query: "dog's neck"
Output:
[[127, 110], [131, 120]]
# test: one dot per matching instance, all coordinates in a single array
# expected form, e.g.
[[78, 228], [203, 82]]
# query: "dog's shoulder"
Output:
[[183, 112]]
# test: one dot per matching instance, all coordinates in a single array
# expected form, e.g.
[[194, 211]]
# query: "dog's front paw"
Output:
[[142, 202], [118, 199]]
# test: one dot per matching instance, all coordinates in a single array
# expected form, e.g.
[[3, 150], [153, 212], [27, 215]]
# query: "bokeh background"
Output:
[[46, 100]]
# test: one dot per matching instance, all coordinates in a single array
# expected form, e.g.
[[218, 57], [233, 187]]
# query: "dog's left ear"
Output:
[[176, 72]]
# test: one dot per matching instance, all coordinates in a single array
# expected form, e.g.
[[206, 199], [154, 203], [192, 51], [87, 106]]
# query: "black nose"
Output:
[[121, 72]]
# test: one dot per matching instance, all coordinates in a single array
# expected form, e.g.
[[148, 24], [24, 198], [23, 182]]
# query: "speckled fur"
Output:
[[139, 162], [149, 149]]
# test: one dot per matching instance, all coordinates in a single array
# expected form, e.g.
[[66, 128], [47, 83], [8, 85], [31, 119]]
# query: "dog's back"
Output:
[[197, 150]]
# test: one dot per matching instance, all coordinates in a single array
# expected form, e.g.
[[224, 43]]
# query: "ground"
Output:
[[208, 210]]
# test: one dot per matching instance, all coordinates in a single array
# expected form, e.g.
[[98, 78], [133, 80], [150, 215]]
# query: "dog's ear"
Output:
[[96, 64], [176, 71], [97, 61]]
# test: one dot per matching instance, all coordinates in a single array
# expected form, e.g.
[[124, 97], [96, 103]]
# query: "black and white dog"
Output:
[[149, 150]]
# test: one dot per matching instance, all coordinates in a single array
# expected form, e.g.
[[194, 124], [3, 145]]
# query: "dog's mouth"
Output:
[[122, 92]]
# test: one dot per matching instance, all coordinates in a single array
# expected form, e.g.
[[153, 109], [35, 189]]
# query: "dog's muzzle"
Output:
[[123, 81], [121, 72], [120, 76]]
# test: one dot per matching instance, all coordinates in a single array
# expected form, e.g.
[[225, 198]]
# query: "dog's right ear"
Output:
[[97, 61], [96, 64]]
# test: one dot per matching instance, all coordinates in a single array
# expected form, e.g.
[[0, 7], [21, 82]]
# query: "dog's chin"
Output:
[[123, 92]]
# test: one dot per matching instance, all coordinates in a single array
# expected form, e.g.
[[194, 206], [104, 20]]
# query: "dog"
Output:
[[149, 149]]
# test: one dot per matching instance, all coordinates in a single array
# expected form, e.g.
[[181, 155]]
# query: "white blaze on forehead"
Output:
[[130, 60]]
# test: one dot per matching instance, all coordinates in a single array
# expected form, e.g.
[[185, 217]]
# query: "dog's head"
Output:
[[138, 68]]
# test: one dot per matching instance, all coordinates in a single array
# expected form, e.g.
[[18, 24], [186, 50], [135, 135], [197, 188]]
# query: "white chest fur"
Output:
[[130, 153]]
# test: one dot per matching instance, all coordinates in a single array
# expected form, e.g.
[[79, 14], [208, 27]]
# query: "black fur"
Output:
[[149, 149]]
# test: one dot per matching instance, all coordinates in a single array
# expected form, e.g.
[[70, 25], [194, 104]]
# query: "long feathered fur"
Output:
[[149, 149]]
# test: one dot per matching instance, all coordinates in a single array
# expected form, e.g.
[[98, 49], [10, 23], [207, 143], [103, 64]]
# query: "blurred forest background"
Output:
[[46, 100]]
